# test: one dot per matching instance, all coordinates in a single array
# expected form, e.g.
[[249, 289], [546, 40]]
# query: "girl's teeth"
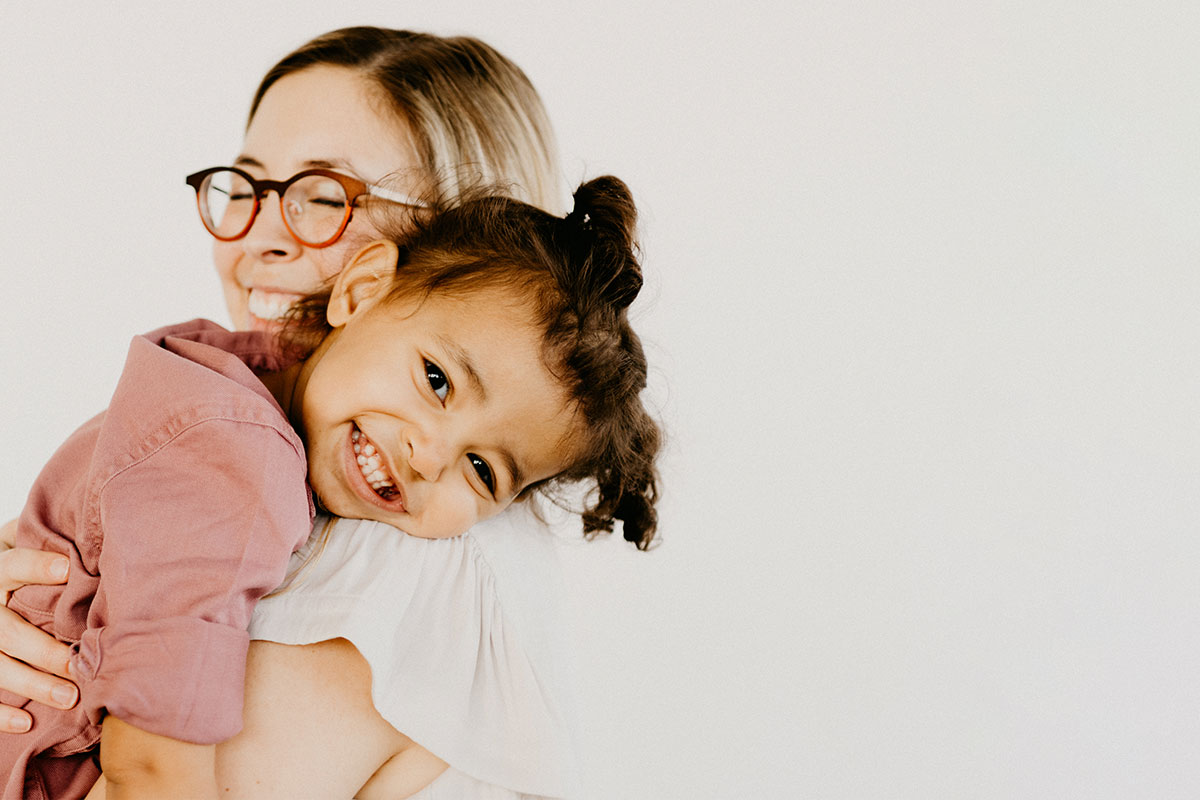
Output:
[[370, 463]]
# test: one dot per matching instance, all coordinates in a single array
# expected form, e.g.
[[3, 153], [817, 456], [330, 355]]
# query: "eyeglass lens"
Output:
[[314, 207]]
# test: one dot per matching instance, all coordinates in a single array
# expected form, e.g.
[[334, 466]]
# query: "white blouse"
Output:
[[464, 639]]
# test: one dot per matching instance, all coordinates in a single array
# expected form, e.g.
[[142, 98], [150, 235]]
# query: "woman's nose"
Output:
[[428, 454], [268, 238]]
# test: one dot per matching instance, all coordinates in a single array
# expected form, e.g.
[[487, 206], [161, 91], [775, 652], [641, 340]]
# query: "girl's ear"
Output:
[[366, 278]]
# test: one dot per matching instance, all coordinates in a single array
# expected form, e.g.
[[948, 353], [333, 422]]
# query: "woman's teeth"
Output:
[[268, 306], [371, 466]]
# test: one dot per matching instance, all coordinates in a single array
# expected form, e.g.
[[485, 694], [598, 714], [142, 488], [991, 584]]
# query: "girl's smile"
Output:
[[374, 471], [367, 474]]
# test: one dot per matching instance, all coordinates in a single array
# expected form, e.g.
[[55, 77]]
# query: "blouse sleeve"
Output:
[[193, 535]]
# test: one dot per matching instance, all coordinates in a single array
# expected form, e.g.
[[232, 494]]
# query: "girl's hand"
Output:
[[30, 658]]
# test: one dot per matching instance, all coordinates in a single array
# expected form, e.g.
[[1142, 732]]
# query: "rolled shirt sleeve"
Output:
[[194, 533]]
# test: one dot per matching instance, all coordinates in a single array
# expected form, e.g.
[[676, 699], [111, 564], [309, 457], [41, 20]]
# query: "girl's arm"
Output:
[[29, 657], [139, 765], [311, 730]]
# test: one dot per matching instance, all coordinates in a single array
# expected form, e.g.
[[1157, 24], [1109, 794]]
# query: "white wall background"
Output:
[[923, 292]]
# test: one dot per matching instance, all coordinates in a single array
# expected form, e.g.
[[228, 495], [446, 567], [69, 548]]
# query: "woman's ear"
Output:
[[366, 278]]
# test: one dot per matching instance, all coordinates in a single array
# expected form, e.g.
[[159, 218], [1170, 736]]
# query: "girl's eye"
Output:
[[437, 380], [483, 471]]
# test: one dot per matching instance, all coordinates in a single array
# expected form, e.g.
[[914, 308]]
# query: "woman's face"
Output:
[[322, 116]]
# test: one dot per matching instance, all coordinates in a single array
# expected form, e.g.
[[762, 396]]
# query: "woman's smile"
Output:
[[266, 306]]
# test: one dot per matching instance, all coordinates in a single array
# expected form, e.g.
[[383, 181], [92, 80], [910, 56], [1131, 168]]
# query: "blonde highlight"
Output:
[[474, 116]]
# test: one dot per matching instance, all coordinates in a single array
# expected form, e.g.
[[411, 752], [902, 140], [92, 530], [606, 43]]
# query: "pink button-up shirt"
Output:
[[179, 508]]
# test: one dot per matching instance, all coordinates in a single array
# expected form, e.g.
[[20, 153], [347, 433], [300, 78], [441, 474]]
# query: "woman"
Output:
[[408, 113]]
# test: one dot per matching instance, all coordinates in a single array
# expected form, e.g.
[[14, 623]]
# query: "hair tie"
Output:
[[579, 219]]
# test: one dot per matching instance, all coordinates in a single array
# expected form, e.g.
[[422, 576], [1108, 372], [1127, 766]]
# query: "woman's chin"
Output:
[[253, 323]]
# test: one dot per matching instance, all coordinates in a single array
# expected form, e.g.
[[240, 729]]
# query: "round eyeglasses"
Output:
[[316, 204]]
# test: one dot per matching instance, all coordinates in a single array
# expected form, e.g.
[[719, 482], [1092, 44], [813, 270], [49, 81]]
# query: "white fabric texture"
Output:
[[464, 640]]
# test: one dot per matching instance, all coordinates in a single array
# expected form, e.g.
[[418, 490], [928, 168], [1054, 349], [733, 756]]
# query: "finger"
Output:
[[22, 640], [8, 534], [21, 566], [14, 720], [26, 681]]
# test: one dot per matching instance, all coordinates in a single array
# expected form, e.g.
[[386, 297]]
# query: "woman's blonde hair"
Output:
[[474, 116]]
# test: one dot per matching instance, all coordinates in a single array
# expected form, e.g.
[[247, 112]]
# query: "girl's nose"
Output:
[[268, 238], [428, 455]]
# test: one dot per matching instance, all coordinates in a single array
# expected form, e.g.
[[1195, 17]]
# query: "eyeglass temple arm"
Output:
[[395, 197]]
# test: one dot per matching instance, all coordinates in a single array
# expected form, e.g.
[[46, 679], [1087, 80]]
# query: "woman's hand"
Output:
[[29, 657]]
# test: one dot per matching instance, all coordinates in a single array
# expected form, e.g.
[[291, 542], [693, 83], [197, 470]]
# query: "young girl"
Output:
[[481, 355]]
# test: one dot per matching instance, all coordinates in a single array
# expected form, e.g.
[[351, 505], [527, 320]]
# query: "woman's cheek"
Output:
[[225, 258], [330, 261]]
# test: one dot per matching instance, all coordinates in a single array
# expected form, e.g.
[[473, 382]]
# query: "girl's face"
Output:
[[429, 416], [325, 117]]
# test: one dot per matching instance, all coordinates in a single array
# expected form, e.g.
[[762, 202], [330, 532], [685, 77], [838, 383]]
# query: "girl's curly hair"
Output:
[[578, 275]]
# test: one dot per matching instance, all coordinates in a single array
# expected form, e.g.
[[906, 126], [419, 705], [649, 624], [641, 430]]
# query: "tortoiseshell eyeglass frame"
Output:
[[353, 188]]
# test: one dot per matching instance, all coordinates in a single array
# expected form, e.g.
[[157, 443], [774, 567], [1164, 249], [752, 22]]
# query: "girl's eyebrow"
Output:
[[514, 471], [462, 359]]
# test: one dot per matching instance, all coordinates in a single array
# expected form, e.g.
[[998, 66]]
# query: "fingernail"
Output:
[[58, 570], [17, 724], [64, 695]]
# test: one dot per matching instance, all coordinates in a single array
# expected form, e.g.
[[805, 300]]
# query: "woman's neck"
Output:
[[282, 386], [287, 385]]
